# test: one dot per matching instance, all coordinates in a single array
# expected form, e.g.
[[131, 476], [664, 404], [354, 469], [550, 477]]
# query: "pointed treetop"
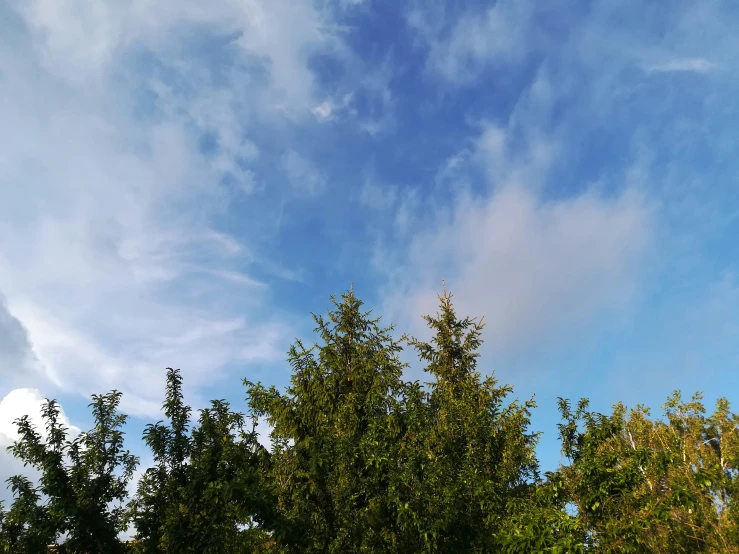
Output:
[[453, 350]]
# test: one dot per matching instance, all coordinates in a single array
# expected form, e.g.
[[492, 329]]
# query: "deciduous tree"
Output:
[[82, 485], [643, 485], [200, 495]]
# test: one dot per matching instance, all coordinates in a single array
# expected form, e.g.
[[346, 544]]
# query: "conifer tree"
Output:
[[335, 431], [465, 453]]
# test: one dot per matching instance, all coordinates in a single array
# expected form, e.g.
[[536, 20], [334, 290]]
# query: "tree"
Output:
[[362, 461], [202, 489], [465, 456], [83, 482], [642, 485], [335, 432], [157, 509], [223, 483], [542, 522], [26, 526]]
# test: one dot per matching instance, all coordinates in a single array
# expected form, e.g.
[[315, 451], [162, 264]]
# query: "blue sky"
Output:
[[181, 184]]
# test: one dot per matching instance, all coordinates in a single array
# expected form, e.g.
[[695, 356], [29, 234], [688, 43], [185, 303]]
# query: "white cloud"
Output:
[[458, 52], [109, 258], [265, 35], [13, 406], [532, 265], [683, 65], [20, 402], [519, 152], [374, 194], [352, 3], [16, 404], [531, 268], [263, 429], [93, 259], [303, 175], [82, 44], [334, 108], [324, 111], [365, 98], [503, 164]]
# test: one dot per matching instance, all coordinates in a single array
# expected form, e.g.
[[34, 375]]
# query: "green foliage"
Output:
[[204, 483], [540, 523], [82, 486], [26, 527], [335, 431], [363, 461], [465, 455], [157, 509], [653, 486]]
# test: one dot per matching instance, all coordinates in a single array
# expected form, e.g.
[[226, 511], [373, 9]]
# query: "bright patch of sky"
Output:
[[181, 183]]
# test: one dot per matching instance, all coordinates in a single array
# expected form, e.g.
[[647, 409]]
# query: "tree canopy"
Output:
[[362, 460]]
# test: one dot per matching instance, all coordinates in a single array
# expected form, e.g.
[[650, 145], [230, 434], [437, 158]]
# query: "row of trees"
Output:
[[363, 461]]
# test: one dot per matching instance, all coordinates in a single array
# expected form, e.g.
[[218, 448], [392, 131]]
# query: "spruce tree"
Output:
[[335, 431], [465, 454]]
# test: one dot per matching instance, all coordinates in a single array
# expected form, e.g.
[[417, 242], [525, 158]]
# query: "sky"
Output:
[[182, 183]]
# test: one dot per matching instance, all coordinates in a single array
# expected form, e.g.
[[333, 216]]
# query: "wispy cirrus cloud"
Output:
[[461, 46], [536, 268], [129, 134], [303, 175], [178, 179], [589, 134], [683, 65]]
